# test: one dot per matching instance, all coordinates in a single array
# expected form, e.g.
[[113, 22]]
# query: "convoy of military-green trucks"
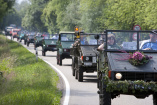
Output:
[[92, 53]]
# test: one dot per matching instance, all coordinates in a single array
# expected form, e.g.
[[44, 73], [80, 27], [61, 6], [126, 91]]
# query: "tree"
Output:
[[5, 5], [32, 19]]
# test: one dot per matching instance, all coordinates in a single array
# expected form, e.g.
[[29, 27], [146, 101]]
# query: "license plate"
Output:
[[87, 63]]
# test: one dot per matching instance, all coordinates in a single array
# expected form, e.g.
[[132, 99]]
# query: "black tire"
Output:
[[80, 74], [43, 53], [76, 70], [27, 44], [57, 57], [76, 74], [155, 99], [60, 60], [34, 47], [73, 67], [104, 97]]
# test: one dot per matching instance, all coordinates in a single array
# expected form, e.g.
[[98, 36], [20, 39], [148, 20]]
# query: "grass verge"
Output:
[[25, 81]]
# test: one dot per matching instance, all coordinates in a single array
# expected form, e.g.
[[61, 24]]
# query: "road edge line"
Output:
[[67, 92]]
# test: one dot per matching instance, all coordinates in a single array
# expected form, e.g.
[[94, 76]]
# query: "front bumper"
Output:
[[50, 49], [31, 41]]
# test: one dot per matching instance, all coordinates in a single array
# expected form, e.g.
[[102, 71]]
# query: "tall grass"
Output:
[[27, 82]]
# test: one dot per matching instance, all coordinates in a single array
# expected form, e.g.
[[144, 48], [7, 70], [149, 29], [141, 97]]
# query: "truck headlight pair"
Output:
[[93, 59]]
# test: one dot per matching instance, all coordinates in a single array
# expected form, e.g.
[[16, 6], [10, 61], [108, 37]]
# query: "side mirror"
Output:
[[96, 37]]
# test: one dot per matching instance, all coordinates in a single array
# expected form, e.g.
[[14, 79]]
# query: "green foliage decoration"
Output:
[[125, 86]]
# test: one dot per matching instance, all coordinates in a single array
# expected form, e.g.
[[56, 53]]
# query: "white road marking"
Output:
[[67, 92]]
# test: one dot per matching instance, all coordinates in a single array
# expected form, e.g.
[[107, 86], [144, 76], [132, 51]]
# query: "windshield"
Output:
[[133, 40], [67, 37], [31, 36], [54, 36], [89, 39]]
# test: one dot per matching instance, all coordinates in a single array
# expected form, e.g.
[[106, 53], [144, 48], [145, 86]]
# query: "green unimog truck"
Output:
[[65, 41], [38, 40], [129, 68], [83, 54], [49, 43]]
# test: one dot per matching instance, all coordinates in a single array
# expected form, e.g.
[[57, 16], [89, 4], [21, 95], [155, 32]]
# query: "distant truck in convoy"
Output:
[[14, 33], [49, 43], [8, 31], [65, 41]]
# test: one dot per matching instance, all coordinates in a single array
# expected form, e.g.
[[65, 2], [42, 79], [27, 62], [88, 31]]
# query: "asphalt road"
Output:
[[85, 93]]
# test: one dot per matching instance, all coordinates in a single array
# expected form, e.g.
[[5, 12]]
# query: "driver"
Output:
[[84, 40], [150, 44]]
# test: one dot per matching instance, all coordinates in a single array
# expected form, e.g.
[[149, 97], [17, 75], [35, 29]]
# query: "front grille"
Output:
[[138, 76], [66, 50], [51, 45]]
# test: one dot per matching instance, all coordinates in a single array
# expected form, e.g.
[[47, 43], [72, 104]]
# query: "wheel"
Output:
[[27, 44], [43, 53], [104, 97], [60, 60], [76, 70], [34, 47], [73, 67], [57, 57], [155, 99], [76, 74], [80, 74]]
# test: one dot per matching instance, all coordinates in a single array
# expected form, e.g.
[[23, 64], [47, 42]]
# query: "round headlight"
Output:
[[118, 75], [87, 58]]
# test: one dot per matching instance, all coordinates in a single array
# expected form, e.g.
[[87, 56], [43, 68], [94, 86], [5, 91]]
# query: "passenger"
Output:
[[83, 40], [111, 42], [55, 37], [102, 39], [150, 44]]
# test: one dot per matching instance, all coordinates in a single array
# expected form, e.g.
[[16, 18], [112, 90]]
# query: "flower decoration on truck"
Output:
[[137, 58]]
